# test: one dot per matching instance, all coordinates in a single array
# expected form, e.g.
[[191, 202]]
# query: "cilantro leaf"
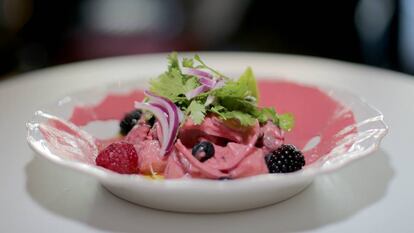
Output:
[[166, 85], [173, 62], [243, 88], [245, 119], [239, 97], [196, 111], [286, 121], [238, 104], [218, 110], [204, 66], [268, 114], [248, 80], [172, 85], [232, 89], [188, 62], [190, 84]]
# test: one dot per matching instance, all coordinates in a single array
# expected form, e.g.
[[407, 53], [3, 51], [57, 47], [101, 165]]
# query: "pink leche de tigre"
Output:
[[316, 114]]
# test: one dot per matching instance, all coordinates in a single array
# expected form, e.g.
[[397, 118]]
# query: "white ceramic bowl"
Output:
[[197, 195]]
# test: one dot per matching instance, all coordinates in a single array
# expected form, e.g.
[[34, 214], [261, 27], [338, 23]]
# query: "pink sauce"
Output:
[[316, 114], [113, 107]]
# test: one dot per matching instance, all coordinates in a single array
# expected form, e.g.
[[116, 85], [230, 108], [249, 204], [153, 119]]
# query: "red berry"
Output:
[[119, 157]]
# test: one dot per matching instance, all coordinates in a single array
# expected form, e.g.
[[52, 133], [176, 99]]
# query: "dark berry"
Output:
[[129, 121], [119, 157], [285, 159], [151, 121], [203, 151]]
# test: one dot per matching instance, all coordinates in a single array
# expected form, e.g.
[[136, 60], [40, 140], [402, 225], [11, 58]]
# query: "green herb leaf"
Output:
[[172, 85], [232, 89], [167, 85], [286, 121], [243, 88], [218, 110], [244, 118], [239, 96], [248, 80], [196, 111], [188, 62], [204, 66], [173, 62], [190, 84], [266, 114], [238, 104]]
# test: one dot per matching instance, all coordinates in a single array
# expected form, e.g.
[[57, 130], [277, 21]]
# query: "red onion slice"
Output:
[[210, 83], [207, 81], [219, 84], [162, 119], [196, 72], [174, 117], [160, 107], [196, 91]]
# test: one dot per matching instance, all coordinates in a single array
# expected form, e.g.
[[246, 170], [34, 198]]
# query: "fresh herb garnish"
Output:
[[236, 99], [286, 121], [203, 65], [172, 84], [196, 111], [188, 62]]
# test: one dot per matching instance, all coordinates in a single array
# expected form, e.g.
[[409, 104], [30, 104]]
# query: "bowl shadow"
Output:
[[330, 199]]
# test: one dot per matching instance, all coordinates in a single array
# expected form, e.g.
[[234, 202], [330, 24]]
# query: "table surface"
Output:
[[373, 194]]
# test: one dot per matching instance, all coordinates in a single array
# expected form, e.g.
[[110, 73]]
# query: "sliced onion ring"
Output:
[[196, 72], [196, 91], [210, 83], [162, 119], [207, 81], [174, 118]]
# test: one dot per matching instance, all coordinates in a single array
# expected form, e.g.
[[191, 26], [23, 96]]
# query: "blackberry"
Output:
[[129, 121], [285, 159], [203, 151]]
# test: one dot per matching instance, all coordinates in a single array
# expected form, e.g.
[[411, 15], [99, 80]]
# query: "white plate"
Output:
[[195, 195]]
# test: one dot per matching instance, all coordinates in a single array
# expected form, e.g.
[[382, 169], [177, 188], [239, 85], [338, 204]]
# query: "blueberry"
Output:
[[203, 151], [129, 121]]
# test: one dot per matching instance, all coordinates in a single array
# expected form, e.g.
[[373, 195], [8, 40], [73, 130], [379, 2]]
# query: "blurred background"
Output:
[[40, 33]]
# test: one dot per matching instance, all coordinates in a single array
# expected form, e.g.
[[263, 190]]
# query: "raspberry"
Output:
[[285, 159], [119, 157]]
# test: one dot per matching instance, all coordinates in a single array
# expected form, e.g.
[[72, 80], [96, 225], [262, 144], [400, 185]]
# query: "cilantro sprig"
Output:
[[236, 100]]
